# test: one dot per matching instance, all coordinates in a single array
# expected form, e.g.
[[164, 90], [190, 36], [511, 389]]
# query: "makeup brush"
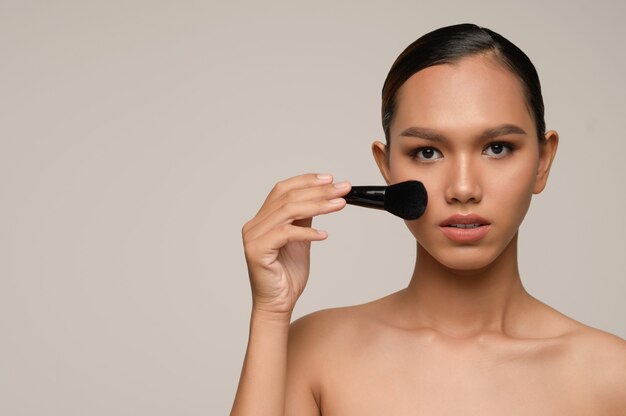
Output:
[[407, 199]]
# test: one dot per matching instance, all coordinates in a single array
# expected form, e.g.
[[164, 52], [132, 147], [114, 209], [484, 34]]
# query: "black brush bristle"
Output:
[[407, 199]]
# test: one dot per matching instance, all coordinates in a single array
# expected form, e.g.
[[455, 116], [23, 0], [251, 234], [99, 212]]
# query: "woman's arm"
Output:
[[277, 248], [261, 388]]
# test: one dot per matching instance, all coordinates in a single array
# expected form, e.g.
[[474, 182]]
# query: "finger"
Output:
[[328, 192], [306, 180], [263, 250], [293, 211], [284, 186]]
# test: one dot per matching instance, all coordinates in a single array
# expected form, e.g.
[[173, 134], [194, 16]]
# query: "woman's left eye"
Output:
[[498, 150]]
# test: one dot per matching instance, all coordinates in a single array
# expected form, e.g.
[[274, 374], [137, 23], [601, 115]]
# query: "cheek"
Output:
[[512, 182], [433, 177], [513, 203], [508, 195], [400, 168]]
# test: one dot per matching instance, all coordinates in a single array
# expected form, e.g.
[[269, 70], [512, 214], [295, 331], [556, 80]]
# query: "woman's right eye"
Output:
[[426, 154]]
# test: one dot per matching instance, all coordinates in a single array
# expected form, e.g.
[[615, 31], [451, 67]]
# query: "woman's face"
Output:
[[465, 132]]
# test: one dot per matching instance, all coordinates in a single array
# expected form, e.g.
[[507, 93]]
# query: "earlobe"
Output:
[[547, 152], [382, 160]]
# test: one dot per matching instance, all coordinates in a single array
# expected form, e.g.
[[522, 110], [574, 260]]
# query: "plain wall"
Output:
[[137, 137]]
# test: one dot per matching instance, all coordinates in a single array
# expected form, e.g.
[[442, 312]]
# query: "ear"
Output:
[[547, 151], [382, 159]]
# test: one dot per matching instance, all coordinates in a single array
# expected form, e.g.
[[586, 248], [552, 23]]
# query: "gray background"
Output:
[[136, 138]]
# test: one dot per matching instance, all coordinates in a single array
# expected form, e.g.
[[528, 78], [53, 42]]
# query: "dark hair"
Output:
[[448, 45]]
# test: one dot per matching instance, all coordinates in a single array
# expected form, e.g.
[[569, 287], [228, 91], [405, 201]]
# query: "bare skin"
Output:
[[464, 337], [367, 360]]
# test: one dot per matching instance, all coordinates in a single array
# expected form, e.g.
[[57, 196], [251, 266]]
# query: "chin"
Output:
[[465, 258], [466, 263]]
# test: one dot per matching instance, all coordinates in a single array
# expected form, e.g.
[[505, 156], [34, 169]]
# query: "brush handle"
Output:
[[367, 196]]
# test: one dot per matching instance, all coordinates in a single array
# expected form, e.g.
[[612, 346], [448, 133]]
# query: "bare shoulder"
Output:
[[328, 333], [604, 349], [599, 359], [318, 343], [330, 329], [599, 349]]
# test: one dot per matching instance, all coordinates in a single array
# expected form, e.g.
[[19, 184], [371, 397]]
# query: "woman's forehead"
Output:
[[474, 91]]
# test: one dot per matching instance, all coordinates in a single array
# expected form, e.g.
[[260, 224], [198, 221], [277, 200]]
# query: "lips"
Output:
[[463, 225], [465, 228]]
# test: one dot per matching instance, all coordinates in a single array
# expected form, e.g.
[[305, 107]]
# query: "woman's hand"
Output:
[[277, 241]]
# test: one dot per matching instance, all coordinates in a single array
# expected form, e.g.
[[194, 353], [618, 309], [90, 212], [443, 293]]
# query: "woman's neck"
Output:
[[464, 303]]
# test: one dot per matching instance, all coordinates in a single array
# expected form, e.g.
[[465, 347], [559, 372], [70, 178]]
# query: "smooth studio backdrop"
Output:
[[137, 137]]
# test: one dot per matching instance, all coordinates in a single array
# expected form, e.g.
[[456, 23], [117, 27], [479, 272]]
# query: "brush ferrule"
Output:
[[367, 196]]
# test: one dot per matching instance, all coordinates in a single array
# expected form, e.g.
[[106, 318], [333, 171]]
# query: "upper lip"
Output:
[[464, 219]]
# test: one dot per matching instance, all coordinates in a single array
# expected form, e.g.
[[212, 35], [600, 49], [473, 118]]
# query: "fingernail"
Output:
[[341, 185], [336, 201], [324, 177]]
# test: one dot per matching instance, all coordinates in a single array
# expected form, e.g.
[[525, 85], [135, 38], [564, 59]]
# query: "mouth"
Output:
[[465, 229], [464, 221], [464, 225]]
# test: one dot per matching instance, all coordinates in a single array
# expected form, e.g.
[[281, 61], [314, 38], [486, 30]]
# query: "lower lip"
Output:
[[465, 235]]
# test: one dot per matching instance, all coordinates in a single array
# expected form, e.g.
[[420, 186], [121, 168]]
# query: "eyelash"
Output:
[[508, 146]]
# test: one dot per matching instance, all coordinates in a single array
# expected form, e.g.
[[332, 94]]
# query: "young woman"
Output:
[[462, 113]]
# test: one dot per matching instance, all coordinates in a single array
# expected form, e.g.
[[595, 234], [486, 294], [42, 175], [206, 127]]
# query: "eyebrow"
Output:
[[433, 135]]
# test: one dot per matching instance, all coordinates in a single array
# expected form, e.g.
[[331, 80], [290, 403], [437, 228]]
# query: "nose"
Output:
[[463, 182]]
